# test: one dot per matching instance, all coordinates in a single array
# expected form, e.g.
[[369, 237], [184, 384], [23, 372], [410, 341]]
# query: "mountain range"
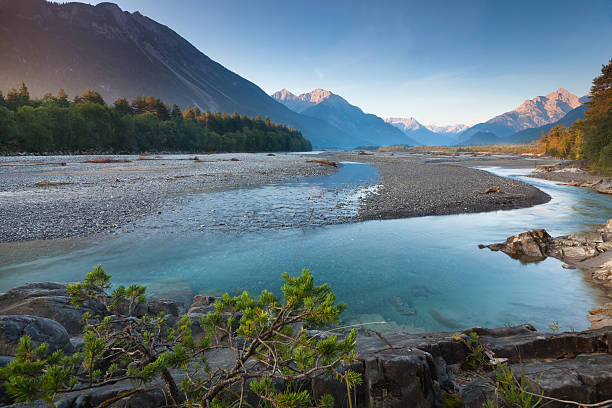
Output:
[[427, 134], [533, 113], [78, 46], [337, 111]]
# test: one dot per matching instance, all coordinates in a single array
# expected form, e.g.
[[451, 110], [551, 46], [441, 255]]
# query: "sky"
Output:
[[442, 62]]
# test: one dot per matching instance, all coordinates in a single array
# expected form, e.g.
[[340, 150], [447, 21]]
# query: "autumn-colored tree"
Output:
[[122, 106], [62, 98], [589, 139], [90, 96]]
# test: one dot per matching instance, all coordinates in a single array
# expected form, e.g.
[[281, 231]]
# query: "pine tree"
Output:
[[139, 104], [23, 95], [2, 101], [12, 99], [123, 107], [90, 96], [176, 113], [62, 98]]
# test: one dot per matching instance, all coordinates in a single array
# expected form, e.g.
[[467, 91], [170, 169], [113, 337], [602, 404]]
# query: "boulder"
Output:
[[605, 187], [170, 308], [585, 379], [50, 300], [40, 329], [526, 246]]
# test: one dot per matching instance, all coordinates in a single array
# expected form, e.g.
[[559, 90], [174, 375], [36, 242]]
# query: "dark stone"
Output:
[[40, 329], [50, 300]]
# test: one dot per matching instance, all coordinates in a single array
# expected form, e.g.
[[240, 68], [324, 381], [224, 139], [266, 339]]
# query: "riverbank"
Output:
[[72, 196], [432, 369], [414, 185], [572, 174]]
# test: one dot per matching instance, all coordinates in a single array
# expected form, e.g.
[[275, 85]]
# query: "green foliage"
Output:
[[554, 327], [53, 123], [452, 400], [590, 139], [38, 374], [477, 358], [513, 392], [267, 336]]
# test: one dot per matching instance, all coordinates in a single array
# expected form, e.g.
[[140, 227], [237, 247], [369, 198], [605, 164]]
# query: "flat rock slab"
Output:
[[585, 379]]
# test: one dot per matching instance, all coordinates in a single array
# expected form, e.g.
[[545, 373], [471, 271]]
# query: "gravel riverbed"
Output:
[[416, 185], [66, 196]]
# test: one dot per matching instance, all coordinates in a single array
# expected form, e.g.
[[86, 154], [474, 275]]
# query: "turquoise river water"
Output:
[[414, 274]]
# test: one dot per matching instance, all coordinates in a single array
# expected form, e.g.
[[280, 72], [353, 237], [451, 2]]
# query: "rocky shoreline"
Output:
[[570, 173], [398, 369], [590, 251]]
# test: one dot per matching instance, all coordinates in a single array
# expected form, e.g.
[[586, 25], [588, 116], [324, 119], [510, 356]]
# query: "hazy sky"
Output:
[[442, 62]]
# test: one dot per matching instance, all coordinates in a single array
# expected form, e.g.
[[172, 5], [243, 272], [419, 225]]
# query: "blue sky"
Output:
[[442, 62]]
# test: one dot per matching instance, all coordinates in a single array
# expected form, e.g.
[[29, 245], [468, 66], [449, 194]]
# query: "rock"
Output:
[[167, 306], [600, 316], [171, 309], [526, 246], [577, 253], [585, 379], [494, 189], [40, 329], [605, 188], [392, 377], [50, 300]]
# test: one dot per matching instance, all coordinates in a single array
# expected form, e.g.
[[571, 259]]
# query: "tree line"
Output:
[[589, 139], [54, 123]]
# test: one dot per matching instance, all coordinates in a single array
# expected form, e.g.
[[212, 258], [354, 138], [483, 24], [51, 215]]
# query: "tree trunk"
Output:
[[173, 390]]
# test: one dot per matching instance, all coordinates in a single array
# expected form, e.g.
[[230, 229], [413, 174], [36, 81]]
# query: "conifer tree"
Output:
[[122, 106], [62, 98], [12, 99], [23, 95], [90, 96]]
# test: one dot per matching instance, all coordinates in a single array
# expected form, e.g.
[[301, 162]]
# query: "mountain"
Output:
[[482, 138], [532, 134], [535, 112], [428, 135], [447, 130], [77, 46], [338, 112]]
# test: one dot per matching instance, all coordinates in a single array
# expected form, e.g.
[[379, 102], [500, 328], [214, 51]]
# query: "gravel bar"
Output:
[[65, 196], [413, 185]]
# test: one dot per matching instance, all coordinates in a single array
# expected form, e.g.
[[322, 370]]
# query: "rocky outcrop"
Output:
[[526, 246], [589, 251], [571, 174], [40, 329], [50, 300]]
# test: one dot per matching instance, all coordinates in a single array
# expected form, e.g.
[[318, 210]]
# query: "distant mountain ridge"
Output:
[[338, 112], [532, 113], [78, 46], [425, 134]]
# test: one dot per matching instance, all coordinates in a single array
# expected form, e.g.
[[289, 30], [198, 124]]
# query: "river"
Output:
[[416, 274]]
